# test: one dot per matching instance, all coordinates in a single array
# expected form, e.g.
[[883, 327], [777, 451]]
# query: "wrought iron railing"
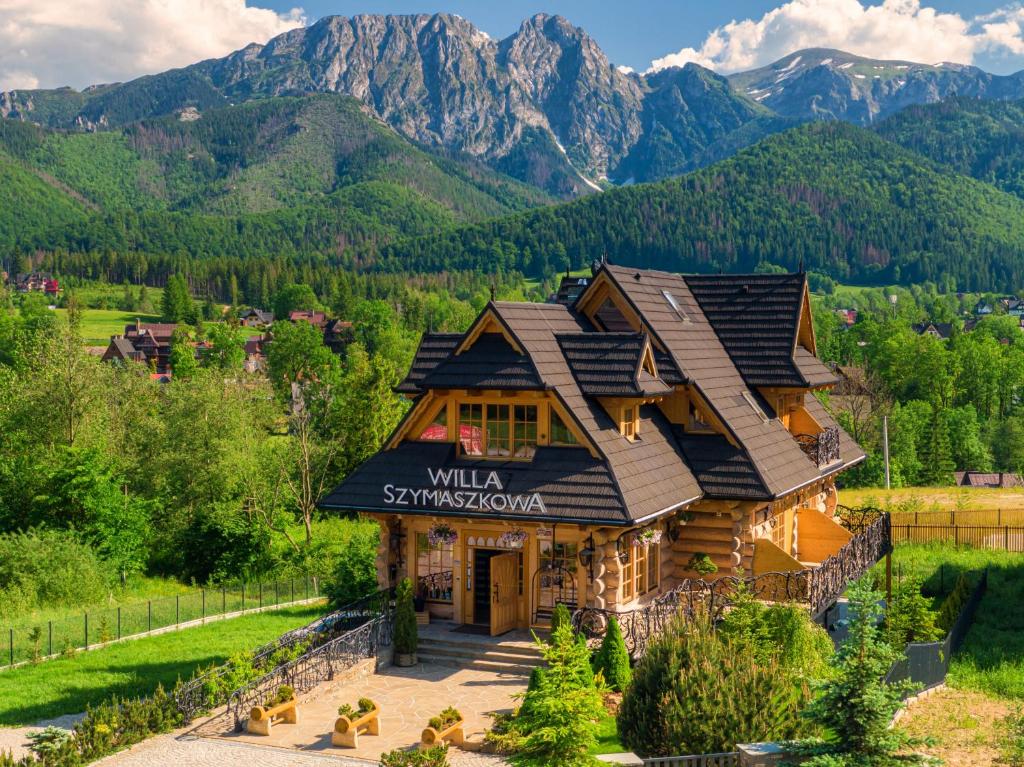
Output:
[[199, 694], [823, 447], [318, 665], [816, 587]]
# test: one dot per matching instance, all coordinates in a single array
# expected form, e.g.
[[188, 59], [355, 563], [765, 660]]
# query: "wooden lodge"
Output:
[[659, 428]]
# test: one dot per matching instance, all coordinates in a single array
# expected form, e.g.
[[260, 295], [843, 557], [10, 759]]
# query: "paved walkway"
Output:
[[407, 697]]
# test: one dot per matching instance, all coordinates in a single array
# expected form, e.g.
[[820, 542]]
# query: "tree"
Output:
[[293, 298], [227, 346], [857, 705], [936, 456], [556, 723], [177, 305], [612, 659], [182, 359], [296, 354]]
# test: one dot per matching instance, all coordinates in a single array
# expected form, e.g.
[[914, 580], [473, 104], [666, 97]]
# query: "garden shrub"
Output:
[[694, 692], [857, 705], [557, 722], [1011, 740], [355, 568], [560, 616], [436, 756], [445, 719], [406, 638], [612, 659], [909, 617]]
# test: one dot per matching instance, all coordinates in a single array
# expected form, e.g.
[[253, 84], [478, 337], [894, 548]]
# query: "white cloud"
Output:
[[49, 43], [895, 29]]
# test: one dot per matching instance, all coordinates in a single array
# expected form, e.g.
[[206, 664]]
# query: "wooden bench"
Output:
[[452, 733], [262, 718], [346, 730]]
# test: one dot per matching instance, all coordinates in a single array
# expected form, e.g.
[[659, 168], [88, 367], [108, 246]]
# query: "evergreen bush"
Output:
[[856, 707], [612, 659], [951, 606], [406, 634], [909, 617], [437, 756], [560, 616], [694, 692]]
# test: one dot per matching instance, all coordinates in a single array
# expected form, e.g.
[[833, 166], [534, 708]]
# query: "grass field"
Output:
[[98, 325], [133, 668], [992, 658], [979, 505]]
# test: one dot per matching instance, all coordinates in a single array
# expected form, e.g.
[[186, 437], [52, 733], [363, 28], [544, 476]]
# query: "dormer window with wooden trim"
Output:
[[697, 421], [560, 433], [437, 430], [629, 422], [497, 430]]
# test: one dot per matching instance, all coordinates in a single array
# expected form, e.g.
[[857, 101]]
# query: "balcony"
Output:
[[822, 448]]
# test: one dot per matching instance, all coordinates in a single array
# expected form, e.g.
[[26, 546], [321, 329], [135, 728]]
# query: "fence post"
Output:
[[243, 596], [277, 592], [10, 644], [49, 637], [223, 600], [118, 621], [952, 517], [149, 611], [261, 595], [87, 631], [203, 614], [1006, 538], [305, 577], [291, 583], [177, 610], [956, 535]]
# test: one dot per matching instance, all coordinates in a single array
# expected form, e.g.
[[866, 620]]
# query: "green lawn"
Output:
[[98, 325], [608, 737], [133, 668], [992, 657]]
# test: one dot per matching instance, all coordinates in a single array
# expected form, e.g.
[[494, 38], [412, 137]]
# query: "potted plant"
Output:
[[513, 539], [406, 633], [703, 564], [649, 536], [441, 534]]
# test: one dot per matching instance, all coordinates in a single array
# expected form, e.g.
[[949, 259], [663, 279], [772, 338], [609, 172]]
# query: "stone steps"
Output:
[[511, 657]]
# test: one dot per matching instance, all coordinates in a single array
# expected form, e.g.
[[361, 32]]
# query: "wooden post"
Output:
[[149, 611], [177, 610], [243, 596], [87, 631], [203, 613], [10, 647], [223, 600], [49, 637], [888, 578], [119, 622]]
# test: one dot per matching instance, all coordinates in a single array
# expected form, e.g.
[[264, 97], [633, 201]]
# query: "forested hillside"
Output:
[[280, 175], [837, 198], [983, 139]]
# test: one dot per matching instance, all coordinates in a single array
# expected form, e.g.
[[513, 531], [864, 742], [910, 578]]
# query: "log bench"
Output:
[[346, 730], [452, 733], [262, 718]]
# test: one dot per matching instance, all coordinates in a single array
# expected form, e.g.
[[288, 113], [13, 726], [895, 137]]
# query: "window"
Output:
[[437, 431], [674, 303], [640, 571], [433, 570], [524, 443], [498, 430], [556, 583], [471, 429], [560, 434], [629, 422]]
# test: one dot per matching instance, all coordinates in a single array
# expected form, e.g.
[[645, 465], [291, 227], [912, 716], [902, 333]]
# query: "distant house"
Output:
[[1015, 307], [982, 308], [940, 330], [146, 342], [337, 335], [37, 282], [988, 479], [319, 319], [257, 318], [255, 354], [569, 290], [847, 316]]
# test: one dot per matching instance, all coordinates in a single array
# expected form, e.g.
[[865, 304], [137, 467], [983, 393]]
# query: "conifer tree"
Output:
[[612, 659]]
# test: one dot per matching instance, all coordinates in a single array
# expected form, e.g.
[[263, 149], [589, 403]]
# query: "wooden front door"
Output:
[[504, 592]]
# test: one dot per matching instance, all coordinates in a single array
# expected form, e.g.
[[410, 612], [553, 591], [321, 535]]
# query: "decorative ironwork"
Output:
[[553, 583], [318, 665], [822, 448], [199, 695], [436, 586], [817, 587]]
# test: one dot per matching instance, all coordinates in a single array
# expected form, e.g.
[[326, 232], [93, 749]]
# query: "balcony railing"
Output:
[[817, 587], [822, 448]]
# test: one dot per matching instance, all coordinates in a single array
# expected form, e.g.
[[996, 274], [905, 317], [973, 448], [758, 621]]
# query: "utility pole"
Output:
[[885, 447]]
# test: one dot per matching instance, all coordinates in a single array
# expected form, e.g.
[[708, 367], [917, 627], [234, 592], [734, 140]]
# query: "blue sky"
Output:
[[51, 43], [631, 33]]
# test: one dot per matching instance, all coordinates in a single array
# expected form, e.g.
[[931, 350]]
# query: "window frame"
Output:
[[642, 562]]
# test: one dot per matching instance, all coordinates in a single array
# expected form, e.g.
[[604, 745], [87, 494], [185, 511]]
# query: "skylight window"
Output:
[[674, 303], [754, 406]]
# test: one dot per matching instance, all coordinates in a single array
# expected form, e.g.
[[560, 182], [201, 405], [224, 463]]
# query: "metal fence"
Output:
[[927, 663], [724, 759], [82, 631], [1004, 537]]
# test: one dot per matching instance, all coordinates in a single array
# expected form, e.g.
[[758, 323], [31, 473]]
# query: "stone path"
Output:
[[407, 697]]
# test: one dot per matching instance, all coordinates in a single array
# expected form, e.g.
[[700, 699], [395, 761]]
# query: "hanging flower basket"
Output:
[[647, 537], [441, 535], [513, 539]]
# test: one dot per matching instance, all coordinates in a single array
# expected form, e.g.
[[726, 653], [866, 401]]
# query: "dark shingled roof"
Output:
[[609, 364], [573, 485], [433, 348], [724, 471], [490, 363], [756, 317]]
